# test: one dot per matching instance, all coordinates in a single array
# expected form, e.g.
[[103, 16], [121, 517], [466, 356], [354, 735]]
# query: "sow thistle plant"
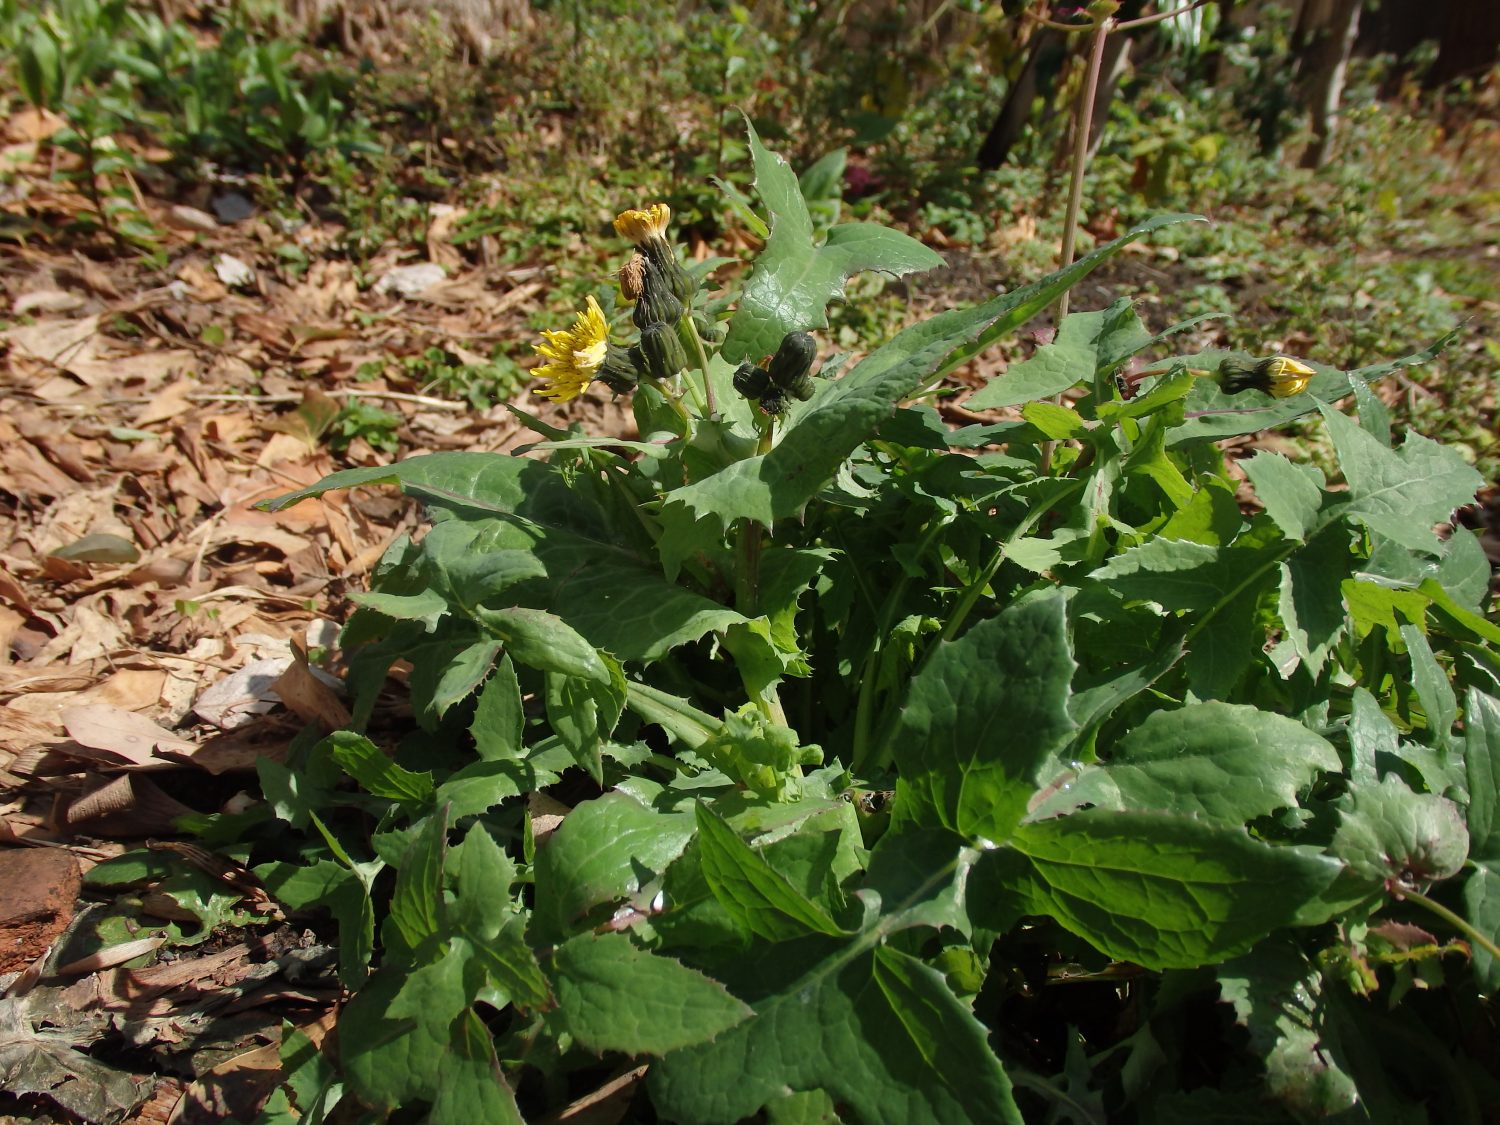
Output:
[[879, 740]]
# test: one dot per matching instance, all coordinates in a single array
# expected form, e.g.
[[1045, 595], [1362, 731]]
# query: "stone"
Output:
[[38, 889]]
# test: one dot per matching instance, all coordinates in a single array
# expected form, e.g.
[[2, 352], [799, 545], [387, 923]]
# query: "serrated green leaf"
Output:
[[758, 896], [1482, 767], [1165, 890], [617, 599], [795, 278], [1278, 998], [613, 996], [1403, 493], [583, 712], [470, 1084], [1439, 704], [463, 674], [1292, 494], [480, 787], [1371, 604], [1085, 342], [390, 1061], [417, 902], [1310, 601], [485, 875], [1210, 516], [1177, 574], [603, 852], [499, 718], [1389, 835], [844, 1023], [1371, 734], [981, 720], [426, 607], [1226, 762], [902, 868], [1482, 909], [545, 642], [362, 760]]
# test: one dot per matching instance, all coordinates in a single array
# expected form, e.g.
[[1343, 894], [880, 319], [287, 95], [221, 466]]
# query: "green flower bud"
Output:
[[801, 388], [663, 258], [792, 362], [751, 381], [656, 305], [710, 331], [662, 351], [621, 370]]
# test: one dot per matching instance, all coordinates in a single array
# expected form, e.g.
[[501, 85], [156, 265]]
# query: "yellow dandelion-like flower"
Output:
[[573, 356], [644, 226], [1287, 377]]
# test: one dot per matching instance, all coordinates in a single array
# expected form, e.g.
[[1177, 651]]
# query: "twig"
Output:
[[395, 396]]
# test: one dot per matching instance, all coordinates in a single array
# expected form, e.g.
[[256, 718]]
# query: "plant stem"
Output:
[[1455, 921], [1083, 122], [883, 753], [702, 352]]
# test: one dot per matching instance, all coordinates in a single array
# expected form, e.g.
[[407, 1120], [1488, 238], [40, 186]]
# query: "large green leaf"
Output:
[[1226, 762], [1164, 890], [795, 276], [613, 996], [615, 597], [1387, 834], [759, 897], [846, 412], [1291, 494], [1085, 342], [603, 852], [881, 1032], [982, 719], [1278, 998], [1402, 493], [470, 1084]]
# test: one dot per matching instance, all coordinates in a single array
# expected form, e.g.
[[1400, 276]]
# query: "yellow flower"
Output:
[[1287, 377], [573, 356], [644, 226]]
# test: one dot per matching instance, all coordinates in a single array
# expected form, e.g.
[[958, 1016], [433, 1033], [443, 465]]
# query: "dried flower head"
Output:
[[633, 278]]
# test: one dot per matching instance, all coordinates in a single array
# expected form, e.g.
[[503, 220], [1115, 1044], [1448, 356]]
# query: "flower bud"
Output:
[[657, 304], [751, 381], [621, 370], [791, 364], [1279, 376], [662, 351]]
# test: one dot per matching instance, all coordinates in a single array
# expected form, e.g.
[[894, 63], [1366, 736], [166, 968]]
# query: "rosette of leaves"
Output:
[[1145, 743]]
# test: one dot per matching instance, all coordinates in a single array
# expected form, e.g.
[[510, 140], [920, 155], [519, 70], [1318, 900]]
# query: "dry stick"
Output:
[[395, 396], [1083, 122]]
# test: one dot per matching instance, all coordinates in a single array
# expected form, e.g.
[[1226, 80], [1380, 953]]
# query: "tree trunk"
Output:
[[1324, 36], [1013, 115]]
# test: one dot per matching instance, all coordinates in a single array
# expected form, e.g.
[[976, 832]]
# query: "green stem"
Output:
[[882, 757], [702, 354], [864, 712], [1454, 920]]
